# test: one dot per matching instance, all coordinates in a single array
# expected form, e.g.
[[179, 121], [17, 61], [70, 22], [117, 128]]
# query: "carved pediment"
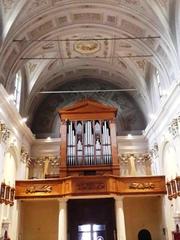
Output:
[[87, 109]]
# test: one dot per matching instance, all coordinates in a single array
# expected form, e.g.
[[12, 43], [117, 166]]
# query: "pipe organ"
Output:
[[88, 143], [88, 139]]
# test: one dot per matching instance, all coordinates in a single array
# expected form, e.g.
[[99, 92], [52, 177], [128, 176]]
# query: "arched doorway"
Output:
[[144, 234]]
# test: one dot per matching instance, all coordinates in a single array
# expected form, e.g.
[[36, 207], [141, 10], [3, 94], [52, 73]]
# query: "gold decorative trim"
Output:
[[91, 186], [147, 185], [37, 189]]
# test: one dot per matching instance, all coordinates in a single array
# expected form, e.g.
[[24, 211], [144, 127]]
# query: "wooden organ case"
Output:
[[88, 140]]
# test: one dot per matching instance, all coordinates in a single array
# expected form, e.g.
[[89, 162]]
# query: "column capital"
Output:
[[154, 152], [62, 200], [174, 127], [4, 132], [118, 198]]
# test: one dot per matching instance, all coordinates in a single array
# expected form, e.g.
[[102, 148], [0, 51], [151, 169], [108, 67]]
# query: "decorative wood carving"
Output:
[[90, 185], [146, 185], [36, 189], [88, 110]]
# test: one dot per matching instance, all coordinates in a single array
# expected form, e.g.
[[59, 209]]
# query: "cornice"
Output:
[[168, 110]]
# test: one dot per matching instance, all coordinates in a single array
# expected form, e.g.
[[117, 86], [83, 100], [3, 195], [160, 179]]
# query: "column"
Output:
[[62, 226], [120, 221], [132, 164]]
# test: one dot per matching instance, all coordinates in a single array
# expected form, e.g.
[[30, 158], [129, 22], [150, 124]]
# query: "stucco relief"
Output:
[[8, 4], [36, 5], [31, 67], [39, 3], [49, 45], [41, 30], [76, 46], [112, 20], [61, 21], [87, 46], [132, 28], [92, 17]]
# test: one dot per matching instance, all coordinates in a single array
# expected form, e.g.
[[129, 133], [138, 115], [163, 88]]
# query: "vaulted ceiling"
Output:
[[119, 41]]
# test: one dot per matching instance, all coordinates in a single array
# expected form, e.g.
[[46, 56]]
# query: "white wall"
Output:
[[164, 131], [11, 166]]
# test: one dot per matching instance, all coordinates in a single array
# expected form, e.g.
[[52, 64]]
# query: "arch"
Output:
[[144, 234]]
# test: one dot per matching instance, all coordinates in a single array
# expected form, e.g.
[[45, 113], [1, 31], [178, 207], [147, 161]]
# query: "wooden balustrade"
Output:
[[90, 185]]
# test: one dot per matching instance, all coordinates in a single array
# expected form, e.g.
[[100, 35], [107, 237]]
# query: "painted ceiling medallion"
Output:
[[86, 46]]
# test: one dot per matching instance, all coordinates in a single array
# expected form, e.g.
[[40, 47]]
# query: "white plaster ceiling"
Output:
[[51, 29]]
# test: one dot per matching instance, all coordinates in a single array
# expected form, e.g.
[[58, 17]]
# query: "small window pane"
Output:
[[98, 227], [84, 228]]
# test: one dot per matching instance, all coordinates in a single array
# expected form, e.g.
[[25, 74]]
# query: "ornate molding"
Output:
[[138, 158], [40, 161], [8, 4], [90, 185], [86, 46], [174, 127], [154, 152], [25, 158], [4, 132], [39, 189], [146, 185], [45, 167]]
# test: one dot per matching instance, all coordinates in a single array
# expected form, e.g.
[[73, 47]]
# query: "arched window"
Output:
[[17, 89], [144, 234]]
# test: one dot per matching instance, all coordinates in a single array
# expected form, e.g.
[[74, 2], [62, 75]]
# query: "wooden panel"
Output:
[[90, 185], [87, 110], [63, 132]]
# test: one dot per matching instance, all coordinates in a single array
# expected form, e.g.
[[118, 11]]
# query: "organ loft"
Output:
[[87, 192], [88, 139]]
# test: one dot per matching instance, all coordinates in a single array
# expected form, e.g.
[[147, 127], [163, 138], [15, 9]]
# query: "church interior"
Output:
[[89, 120]]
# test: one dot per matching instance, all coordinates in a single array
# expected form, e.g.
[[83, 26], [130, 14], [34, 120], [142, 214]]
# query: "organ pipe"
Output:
[[88, 143]]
